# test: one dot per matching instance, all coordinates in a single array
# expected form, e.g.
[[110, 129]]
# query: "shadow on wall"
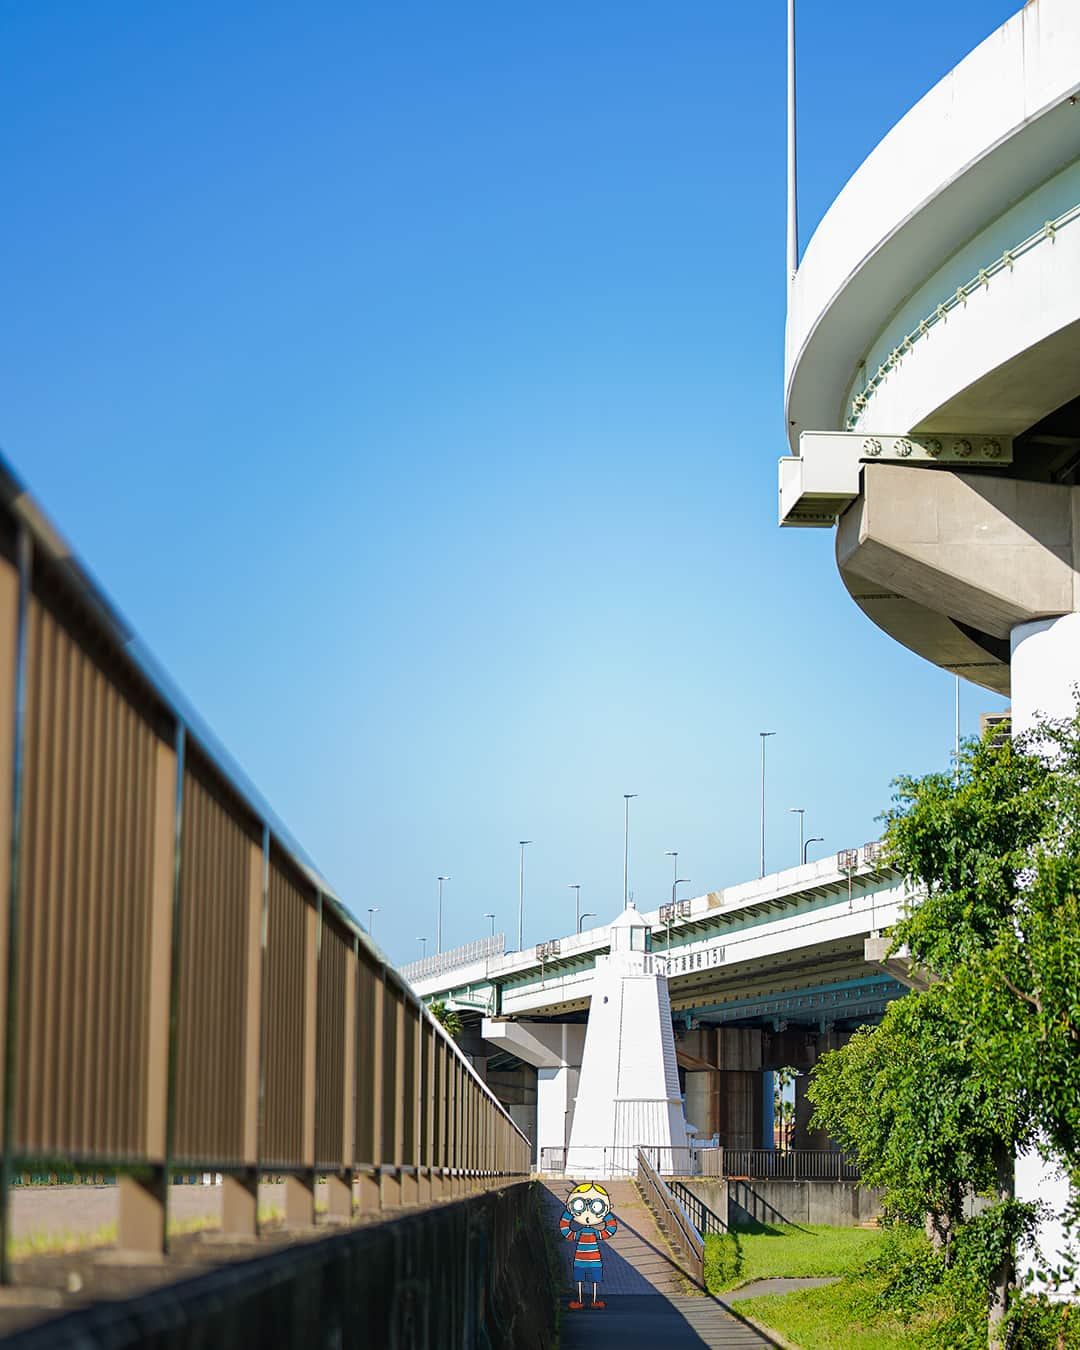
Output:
[[839, 1203], [472, 1272]]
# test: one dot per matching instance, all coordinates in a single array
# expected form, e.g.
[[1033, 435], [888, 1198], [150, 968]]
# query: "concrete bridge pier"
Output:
[[728, 1086], [555, 1050]]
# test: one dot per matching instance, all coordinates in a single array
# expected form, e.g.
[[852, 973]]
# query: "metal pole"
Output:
[[800, 811], [956, 743], [763, 735], [264, 970], [576, 888], [521, 891], [438, 940], [626, 848], [24, 553], [792, 188], [174, 975]]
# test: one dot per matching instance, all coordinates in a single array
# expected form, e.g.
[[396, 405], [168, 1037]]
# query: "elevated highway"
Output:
[[761, 975]]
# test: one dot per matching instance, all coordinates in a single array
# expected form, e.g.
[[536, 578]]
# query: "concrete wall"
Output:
[[842, 1203], [471, 1273]]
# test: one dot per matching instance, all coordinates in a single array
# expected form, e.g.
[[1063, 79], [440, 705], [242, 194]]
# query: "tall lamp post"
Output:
[[587, 915], [764, 736], [799, 811], [491, 916], [815, 839], [627, 798], [673, 854], [575, 886], [521, 890], [438, 944], [423, 947], [372, 911]]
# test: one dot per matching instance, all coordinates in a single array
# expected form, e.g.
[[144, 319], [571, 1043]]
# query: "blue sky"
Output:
[[411, 377]]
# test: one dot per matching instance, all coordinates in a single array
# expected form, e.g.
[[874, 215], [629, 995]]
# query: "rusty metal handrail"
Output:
[[672, 1216]]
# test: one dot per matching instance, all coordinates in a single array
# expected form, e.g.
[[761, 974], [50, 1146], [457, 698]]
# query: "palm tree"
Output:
[[449, 1021]]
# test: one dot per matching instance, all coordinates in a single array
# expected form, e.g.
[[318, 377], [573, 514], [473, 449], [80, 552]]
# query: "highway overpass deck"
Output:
[[790, 946]]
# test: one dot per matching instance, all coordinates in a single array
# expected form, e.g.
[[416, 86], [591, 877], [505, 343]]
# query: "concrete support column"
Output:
[[802, 1135], [339, 1196], [699, 1102], [299, 1200], [140, 1224], [239, 1204], [740, 1108], [367, 1191], [553, 1108], [1045, 665], [768, 1109]]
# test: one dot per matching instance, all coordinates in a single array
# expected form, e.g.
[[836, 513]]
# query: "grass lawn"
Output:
[[832, 1318], [893, 1292], [764, 1251]]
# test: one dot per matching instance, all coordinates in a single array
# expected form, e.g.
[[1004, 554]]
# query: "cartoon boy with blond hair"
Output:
[[590, 1206]]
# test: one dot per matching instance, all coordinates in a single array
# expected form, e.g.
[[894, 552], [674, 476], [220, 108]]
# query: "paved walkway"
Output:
[[649, 1302]]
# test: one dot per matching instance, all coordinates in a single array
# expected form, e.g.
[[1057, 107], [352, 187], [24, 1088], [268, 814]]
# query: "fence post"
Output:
[[15, 601], [142, 1217]]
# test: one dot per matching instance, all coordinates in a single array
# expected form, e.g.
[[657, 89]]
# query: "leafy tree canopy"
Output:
[[935, 1101]]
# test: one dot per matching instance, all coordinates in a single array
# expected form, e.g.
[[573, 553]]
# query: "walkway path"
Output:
[[649, 1302]]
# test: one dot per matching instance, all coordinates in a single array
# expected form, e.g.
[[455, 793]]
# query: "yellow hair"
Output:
[[587, 1186]]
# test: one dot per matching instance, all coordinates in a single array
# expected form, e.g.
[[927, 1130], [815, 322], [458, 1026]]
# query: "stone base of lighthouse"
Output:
[[628, 1093]]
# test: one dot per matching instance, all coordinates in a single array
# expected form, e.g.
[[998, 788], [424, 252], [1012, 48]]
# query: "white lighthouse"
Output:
[[628, 1094]]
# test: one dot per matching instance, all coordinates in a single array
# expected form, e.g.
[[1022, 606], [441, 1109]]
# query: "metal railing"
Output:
[[767, 1164], [704, 1219], [616, 1160], [673, 1219], [180, 990], [480, 950]]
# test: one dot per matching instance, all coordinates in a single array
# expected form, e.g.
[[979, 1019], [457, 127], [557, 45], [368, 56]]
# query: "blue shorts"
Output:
[[588, 1272]]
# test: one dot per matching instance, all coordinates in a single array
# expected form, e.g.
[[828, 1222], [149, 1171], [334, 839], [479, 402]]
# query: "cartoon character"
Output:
[[590, 1206]]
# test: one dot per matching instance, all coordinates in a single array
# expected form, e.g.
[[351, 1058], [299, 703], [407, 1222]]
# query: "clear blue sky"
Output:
[[411, 377]]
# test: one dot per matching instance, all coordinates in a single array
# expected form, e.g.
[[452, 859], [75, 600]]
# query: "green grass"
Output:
[[834, 1317], [762, 1252], [893, 1293]]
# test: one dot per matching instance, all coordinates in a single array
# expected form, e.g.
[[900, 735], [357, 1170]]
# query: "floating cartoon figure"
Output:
[[590, 1206]]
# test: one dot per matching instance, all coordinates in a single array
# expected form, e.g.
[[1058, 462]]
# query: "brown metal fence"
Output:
[[178, 987]]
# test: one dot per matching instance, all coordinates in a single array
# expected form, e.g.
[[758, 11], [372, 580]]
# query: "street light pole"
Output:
[[673, 854], [372, 911], [521, 891], [817, 839], [423, 947], [576, 888], [627, 797], [489, 915], [440, 881], [800, 811], [587, 915], [763, 735]]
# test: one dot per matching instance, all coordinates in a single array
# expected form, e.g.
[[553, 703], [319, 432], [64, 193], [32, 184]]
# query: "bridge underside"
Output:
[[730, 1040]]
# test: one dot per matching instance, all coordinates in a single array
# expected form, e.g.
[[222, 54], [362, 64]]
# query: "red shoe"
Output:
[[598, 1303], [575, 1304]]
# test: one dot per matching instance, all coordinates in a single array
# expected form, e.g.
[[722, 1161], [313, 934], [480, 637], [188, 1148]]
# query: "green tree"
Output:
[[935, 1101], [449, 1020], [783, 1107]]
